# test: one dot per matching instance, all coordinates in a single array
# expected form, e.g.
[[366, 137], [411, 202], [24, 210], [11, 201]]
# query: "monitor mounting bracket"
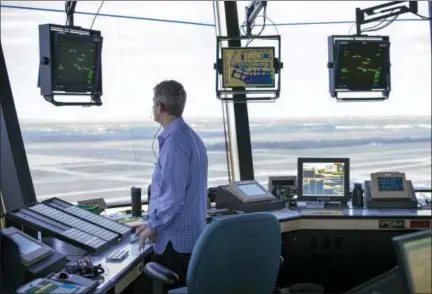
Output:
[[70, 10], [252, 11], [394, 8]]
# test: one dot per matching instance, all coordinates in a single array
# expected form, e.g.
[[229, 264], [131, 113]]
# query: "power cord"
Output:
[[154, 140], [97, 13], [377, 27], [422, 16], [265, 18]]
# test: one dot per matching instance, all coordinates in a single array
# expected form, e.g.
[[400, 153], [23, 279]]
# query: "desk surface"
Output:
[[115, 272], [291, 220], [288, 214]]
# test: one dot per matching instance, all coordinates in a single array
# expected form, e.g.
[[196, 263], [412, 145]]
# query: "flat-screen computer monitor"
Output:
[[414, 257], [249, 67], [323, 179]]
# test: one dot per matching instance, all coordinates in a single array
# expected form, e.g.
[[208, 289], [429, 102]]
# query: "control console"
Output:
[[389, 190], [31, 250], [71, 224], [247, 196], [59, 283], [37, 258]]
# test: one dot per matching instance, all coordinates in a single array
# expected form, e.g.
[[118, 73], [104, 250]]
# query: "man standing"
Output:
[[177, 210]]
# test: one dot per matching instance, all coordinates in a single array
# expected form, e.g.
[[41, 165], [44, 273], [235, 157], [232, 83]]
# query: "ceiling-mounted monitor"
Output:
[[362, 65], [249, 67], [246, 73], [70, 64], [359, 66]]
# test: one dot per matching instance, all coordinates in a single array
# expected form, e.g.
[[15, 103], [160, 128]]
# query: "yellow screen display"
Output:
[[248, 67], [418, 255]]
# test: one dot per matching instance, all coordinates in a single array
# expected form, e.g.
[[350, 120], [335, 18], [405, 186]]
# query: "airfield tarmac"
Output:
[[78, 171]]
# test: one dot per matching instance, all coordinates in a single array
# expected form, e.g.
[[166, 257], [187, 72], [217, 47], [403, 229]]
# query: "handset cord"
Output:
[[154, 140]]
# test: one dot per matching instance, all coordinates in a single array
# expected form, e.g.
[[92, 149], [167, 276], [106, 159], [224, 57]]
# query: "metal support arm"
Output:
[[252, 11], [392, 9]]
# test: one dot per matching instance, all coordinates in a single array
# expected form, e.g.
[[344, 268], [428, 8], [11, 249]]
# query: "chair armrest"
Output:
[[158, 272]]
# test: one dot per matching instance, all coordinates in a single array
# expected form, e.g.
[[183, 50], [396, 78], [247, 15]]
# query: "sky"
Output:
[[137, 54]]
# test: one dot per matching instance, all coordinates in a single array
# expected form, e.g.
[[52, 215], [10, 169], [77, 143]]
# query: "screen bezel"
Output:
[[69, 87], [386, 65], [376, 194], [273, 49], [234, 187], [324, 198], [34, 256], [402, 259]]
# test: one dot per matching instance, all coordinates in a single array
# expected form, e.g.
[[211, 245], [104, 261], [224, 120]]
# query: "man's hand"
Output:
[[144, 233]]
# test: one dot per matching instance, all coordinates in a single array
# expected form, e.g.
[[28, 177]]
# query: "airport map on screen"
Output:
[[248, 67]]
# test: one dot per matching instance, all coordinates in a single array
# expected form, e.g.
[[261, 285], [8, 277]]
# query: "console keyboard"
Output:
[[84, 238], [73, 222], [99, 220], [117, 256]]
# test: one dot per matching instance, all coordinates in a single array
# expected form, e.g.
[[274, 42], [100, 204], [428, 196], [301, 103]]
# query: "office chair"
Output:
[[237, 254]]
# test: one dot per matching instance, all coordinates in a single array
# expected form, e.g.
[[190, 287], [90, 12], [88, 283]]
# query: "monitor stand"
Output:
[[326, 205]]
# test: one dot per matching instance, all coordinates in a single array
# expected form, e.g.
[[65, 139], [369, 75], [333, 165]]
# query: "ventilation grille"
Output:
[[327, 251]]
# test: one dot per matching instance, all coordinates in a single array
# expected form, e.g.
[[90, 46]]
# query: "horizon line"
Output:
[[213, 119]]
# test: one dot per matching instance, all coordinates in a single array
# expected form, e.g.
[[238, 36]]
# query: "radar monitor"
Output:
[[31, 250], [249, 67], [414, 257], [70, 62], [362, 65], [323, 179], [76, 61]]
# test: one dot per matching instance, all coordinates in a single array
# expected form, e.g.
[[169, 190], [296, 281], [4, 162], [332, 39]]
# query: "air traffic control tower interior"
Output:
[[298, 201]]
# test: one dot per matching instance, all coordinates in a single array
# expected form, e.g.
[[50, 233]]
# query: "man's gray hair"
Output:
[[172, 95]]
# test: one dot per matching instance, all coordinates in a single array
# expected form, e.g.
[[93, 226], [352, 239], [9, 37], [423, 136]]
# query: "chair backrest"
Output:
[[237, 254]]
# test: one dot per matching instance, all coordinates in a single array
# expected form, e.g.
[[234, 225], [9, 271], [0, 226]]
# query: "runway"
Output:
[[107, 170]]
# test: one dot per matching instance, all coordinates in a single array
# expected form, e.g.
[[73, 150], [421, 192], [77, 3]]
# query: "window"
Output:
[[394, 135], [79, 153]]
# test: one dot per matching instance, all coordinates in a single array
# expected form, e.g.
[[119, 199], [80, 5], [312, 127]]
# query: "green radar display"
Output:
[[362, 65]]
